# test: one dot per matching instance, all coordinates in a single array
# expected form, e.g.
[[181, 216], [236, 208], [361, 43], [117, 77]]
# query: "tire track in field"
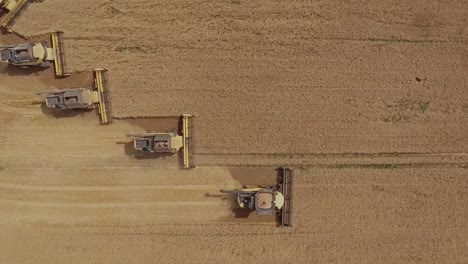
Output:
[[364, 160]]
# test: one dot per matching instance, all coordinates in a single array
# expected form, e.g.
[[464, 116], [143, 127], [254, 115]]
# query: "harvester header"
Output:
[[187, 140], [13, 7], [102, 95], [285, 180], [59, 54]]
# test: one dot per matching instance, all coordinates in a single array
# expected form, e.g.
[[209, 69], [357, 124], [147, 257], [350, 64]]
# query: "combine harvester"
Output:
[[83, 98], [12, 8], [37, 55], [268, 199], [168, 142]]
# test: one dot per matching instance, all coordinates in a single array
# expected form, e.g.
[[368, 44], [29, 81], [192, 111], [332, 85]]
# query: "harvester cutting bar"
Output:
[[286, 189], [100, 84], [14, 7], [187, 138], [59, 55]]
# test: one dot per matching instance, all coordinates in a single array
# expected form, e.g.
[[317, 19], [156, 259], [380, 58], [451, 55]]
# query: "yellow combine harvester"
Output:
[[12, 9], [37, 55], [268, 199], [168, 142], [83, 98]]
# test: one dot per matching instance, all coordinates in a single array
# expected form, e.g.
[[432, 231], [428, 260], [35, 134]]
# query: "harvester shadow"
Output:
[[242, 212], [57, 113], [279, 175], [180, 158], [180, 125], [238, 212], [132, 152], [12, 70]]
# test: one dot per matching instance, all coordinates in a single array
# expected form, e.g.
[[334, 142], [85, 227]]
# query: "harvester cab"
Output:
[[10, 9], [266, 200], [36, 55], [83, 98], [168, 142]]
